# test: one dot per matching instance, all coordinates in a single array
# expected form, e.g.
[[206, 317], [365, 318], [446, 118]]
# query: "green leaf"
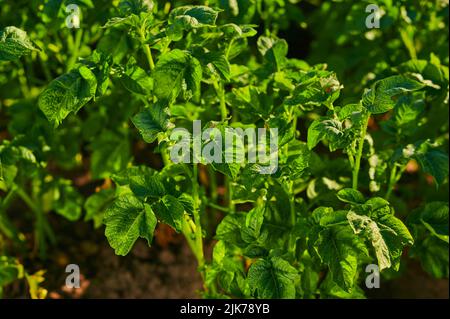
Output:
[[188, 203], [229, 229], [67, 201], [219, 63], [67, 94], [396, 236], [14, 43], [194, 16], [136, 6], [110, 154], [136, 80], [435, 217], [376, 203], [127, 220], [175, 72], [330, 218], [116, 43], [298, 159], [253, 223], [170, 211], [96, 206], [147, 185], [315, 133], [152, 121], [435, 163], [274, 52], [124, 177], [230, 168], [430, 71], [351, 196], [408, 110], [315, 88], [272, 278], [339, 249], [379, 99], [10, 270], [16, 161], [348, 110], [363, 224], [433, 255]]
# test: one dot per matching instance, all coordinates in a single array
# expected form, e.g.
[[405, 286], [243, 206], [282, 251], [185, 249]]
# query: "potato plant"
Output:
[[361, 177]]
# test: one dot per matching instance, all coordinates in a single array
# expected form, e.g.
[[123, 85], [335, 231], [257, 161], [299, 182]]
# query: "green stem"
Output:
[[220, 90], [218, 207], [197, 220], [357, 164], [391, 184], [164, 154], [189, 234], [148, 54], [395, 175], [42, 228], [6, 227], [74, 48], [146, 47], [27, 199], [223, 106], [351, 159], [8, 199], [229, 187], [24, 88], [211, 218], [227, 54], [224, 115]]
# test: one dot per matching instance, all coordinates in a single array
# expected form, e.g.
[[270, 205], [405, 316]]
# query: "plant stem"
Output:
[[6, 227], [213, 184], [197, 220], [218, 207], [357, 164], [27, 199], [188, 231], [229, 187], [391, 184], [42, 228], [223, 106], [74, 48], [224, 115], [394, 177], [146, 47], [220, 90], [148, 54], [164, 155], [351, 159], [8, 199]]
